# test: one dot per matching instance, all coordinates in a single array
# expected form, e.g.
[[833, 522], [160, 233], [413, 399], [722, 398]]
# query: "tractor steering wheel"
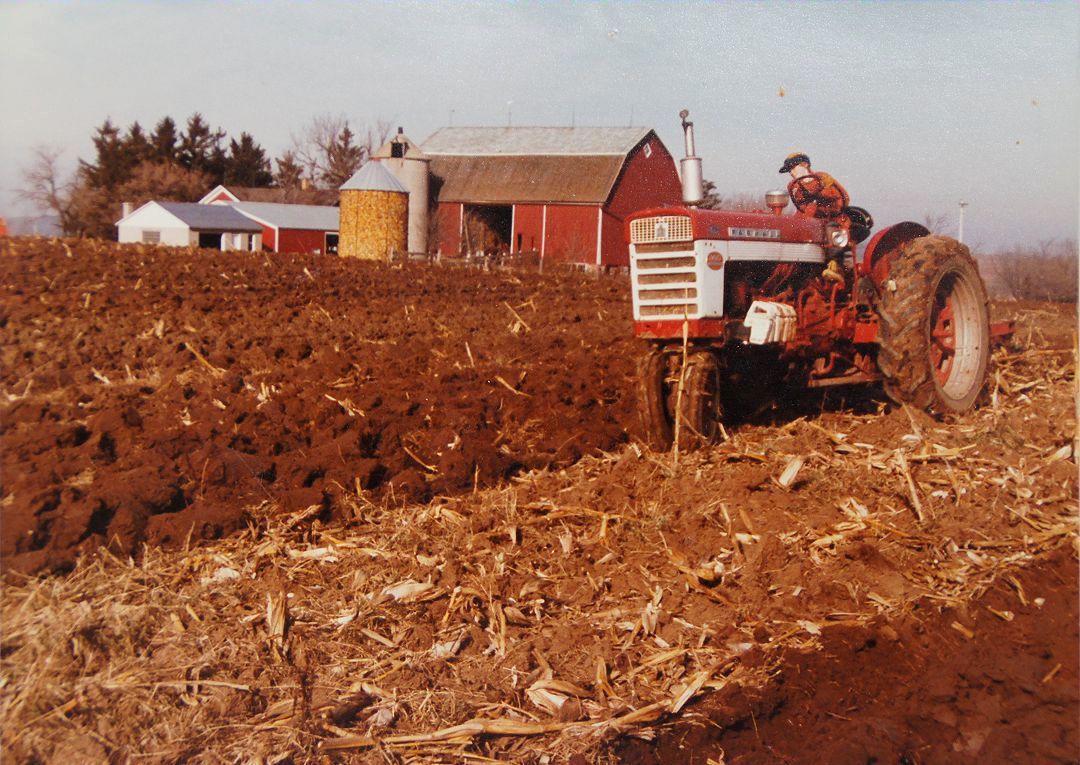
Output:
[[802, 193]]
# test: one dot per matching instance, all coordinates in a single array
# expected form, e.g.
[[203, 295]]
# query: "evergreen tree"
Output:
[[215, 166], [112, 164], [163, 140], [246, 164], [343, 158], [136, 146], [200, 147], [290, 174]]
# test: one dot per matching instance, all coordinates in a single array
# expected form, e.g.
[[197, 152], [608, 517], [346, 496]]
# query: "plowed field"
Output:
[[152, 395], [310, 510]]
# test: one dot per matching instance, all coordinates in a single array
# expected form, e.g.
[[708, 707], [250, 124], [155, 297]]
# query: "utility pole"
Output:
[[960, 232]]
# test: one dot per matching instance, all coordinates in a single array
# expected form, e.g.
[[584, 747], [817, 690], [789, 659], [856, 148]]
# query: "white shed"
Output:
[[183, 224]]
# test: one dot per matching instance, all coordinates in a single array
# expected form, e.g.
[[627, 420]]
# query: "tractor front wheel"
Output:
[[699, 406], [934, 327], [652, 399]]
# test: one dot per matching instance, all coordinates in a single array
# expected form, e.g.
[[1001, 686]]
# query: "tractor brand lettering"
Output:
[[753, 233], [714, 260]]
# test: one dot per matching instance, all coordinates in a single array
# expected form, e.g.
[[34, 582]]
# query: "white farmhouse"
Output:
[[183, 224]]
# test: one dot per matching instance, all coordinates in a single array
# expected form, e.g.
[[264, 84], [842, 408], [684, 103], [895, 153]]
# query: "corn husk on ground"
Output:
[[551, 616]]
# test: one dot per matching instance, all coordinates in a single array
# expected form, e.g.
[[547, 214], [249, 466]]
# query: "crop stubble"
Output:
[[832, 585]]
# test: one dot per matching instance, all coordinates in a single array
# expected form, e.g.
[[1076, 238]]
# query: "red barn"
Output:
[[562, 192], [294, 228]]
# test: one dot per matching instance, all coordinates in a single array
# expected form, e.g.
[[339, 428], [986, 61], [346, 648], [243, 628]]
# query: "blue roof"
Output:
[[211, 217]]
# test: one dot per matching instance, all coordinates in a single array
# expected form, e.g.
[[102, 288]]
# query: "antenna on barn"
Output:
[[451, 118], [509, 112]]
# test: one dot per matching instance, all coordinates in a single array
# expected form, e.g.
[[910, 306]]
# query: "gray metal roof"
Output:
[[303, 217], [549, 141], [210, 217], [373, 177]]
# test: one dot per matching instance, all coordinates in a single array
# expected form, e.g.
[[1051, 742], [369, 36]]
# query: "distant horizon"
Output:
[[913, 107]]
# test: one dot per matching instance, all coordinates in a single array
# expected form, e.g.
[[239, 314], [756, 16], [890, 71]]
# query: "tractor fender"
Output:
[[876, 255]]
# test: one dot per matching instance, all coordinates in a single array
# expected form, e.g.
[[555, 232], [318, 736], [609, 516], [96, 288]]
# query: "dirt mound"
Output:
[[150, 395]]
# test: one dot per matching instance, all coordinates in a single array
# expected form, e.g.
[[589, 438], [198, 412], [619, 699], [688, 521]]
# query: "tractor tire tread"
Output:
[[904, 315]]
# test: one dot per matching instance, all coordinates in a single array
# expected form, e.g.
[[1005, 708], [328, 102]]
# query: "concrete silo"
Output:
[[409, 165], [374, 214]]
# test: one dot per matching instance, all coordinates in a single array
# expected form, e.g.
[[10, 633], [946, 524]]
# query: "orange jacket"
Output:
[[819, 196]]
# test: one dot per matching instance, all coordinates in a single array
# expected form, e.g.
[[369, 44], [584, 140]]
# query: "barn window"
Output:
[[151, 237], [397, 150], [648, 151]]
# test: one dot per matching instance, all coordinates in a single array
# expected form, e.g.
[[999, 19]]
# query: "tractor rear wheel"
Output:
[[652, 399], [934, 327], [699, 407]]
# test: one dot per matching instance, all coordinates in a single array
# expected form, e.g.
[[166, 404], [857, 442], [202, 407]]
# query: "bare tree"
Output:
[[1044, 271], [739, 201], [164, 181], [46, 190], [319, 147], [938, 223], [375, 136]]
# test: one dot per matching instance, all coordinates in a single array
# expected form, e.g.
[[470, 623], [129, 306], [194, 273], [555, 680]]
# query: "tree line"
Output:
[[171, 163]]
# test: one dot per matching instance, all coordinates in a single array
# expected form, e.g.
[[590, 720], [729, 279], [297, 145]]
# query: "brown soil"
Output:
[[151, 395], [911, 597], [913, 691]]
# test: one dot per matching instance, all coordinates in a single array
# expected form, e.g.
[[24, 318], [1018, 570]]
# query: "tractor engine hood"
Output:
[[669, 224]]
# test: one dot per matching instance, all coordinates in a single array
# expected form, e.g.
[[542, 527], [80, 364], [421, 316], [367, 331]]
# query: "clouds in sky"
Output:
[[912, 106]]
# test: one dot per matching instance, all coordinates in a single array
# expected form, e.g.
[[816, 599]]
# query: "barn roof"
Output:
[[288, 195], [547, 141], [301, 217], [503, 165], [373, 177], [210, 217], [505, 180]]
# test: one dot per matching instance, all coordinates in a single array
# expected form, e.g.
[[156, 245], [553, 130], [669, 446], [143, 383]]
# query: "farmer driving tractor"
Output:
[[819, 195]]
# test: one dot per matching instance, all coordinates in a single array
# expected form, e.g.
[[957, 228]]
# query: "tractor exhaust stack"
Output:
[[693, 186]]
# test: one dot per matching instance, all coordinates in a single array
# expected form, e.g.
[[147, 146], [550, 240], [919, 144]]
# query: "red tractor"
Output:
[[735, 308]]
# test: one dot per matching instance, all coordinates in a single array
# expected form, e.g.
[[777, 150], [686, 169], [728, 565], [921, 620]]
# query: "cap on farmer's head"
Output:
[[794, 159]]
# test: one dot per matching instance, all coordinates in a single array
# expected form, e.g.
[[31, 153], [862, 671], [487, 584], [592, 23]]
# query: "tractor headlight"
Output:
[[838, 237]]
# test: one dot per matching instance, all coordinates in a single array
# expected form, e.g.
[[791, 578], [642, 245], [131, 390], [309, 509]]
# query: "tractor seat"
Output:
[[861, 223]]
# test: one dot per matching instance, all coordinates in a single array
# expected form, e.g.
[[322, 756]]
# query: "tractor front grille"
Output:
[[666, 284], [685, 293], [679, 311], [661, 228]]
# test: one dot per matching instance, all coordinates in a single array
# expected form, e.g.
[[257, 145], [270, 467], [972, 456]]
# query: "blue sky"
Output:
[[911, 105]]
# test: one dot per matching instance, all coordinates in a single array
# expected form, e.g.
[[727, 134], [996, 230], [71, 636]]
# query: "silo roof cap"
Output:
[[373, 177], [411, 150]]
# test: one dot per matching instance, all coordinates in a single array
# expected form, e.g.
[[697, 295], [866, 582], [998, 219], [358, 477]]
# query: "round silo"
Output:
[[411, 166], [374, 214]]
